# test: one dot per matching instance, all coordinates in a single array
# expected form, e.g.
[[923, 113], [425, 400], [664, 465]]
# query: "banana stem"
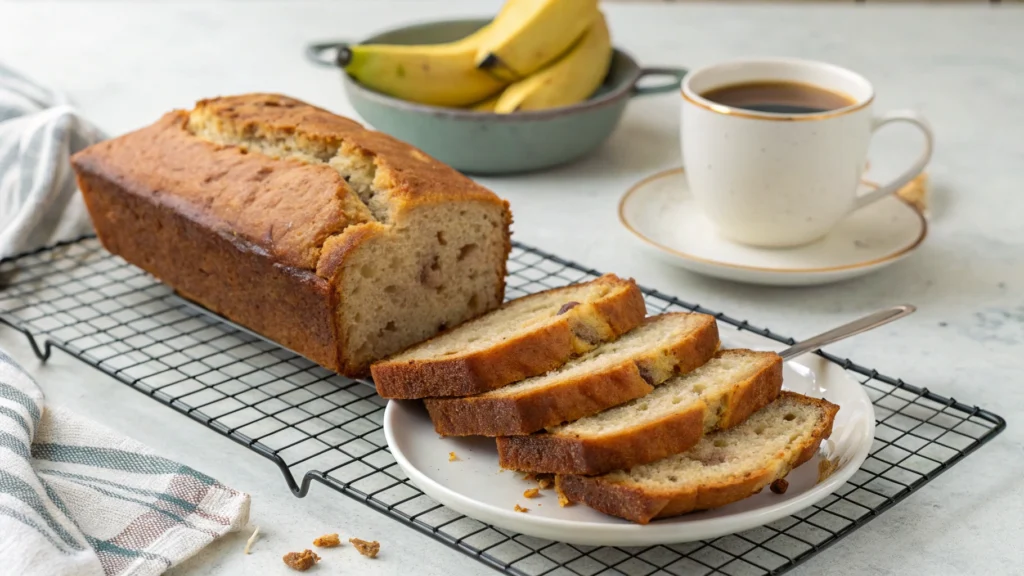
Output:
[[343, 56]]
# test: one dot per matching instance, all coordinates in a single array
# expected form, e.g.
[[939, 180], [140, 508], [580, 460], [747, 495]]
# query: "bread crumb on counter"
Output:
[[519, 508], [368, 549], [327, 541], [249, 542], [301, 561], [452, 457], [532, 493], [779, 486], [915, 192]]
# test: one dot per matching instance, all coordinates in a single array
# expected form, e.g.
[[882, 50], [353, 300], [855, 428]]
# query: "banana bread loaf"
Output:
[[340, 243]]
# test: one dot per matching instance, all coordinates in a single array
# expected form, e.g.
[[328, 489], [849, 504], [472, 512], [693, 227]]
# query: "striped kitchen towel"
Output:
[[79, 499], [39, 199]]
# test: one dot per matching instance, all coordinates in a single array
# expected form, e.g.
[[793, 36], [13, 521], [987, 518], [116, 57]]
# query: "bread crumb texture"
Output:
[[519, 508], [327, 541], [366, 548], [532, 493], [452, 457], [301, 561]]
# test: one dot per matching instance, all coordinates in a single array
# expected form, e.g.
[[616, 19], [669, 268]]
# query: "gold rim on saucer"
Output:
[[671, 172]]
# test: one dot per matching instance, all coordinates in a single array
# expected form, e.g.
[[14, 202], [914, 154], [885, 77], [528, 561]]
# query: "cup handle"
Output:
[[910, 117], [675, 78]]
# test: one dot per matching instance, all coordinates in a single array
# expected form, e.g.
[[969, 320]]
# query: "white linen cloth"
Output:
[[39, 199], [77, 499]]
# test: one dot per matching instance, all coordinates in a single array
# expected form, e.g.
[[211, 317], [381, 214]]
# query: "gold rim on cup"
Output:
[[730, 111]]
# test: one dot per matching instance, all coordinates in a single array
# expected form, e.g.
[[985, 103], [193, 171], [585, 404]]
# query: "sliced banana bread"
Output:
[[525, 337], [722, 468], [671, 419], [610, 375]]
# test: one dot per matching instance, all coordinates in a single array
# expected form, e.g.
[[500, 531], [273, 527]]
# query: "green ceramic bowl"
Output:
[[488, 143]]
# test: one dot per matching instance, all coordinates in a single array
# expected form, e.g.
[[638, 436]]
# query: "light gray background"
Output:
[[963, 66]]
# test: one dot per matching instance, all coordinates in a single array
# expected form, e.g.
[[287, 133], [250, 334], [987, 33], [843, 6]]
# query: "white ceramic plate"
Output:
[[660, 211], [474, 486]]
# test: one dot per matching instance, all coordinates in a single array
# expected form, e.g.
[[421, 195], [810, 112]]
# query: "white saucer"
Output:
[[660, 211], [474, 486]]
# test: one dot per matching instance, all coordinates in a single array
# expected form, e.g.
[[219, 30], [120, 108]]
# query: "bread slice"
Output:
[[722, 468], [525, 337], [610, 375], [671, 419]]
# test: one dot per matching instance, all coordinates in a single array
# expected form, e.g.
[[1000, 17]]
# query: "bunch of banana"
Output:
[[535, 54], [569, 79], [527, 34]]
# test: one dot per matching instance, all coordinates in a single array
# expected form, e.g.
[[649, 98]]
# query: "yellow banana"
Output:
[[437, 74], [529, 34], [486, 105], [570, 79]]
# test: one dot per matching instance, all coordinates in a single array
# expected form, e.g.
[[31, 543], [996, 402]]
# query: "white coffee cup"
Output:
[[777, 180]]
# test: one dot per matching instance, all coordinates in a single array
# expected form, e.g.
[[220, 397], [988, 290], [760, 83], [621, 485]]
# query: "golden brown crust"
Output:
[[254, 197], [258, 239], [752, 394], [503, 268], [641, 505], [618, 500], [410, 174], [571, 399], [568, 455], [222, 269], [625, 310], [532, 411], [263, 199], [543, 349], [650, 441], [529, 354]]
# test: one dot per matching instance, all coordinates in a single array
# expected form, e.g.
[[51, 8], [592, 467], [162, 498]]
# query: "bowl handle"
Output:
[[676, 75], [329, 54]]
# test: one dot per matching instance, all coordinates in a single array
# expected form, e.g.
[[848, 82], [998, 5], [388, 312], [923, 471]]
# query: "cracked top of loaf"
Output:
[[285, 176]]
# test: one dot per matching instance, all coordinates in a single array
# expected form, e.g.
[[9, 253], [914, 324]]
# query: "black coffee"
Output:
[[779, 97]]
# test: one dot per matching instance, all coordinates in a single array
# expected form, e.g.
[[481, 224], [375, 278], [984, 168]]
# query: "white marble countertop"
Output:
[[126, 63]]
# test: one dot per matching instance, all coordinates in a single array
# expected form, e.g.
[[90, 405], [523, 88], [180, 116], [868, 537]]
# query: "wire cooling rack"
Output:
[[318, 426]]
